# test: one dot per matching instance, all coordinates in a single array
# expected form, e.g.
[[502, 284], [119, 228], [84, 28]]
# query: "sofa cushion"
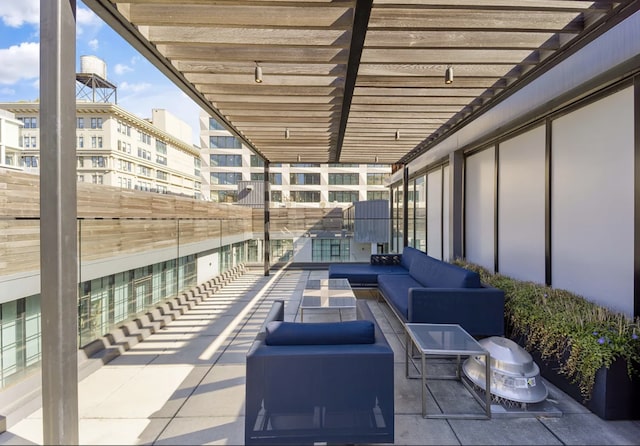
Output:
[[362, 273], [396, 289], [431, 272], [320, 333], [408, 254]]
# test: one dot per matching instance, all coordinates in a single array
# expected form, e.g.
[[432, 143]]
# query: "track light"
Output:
[[376, 159], [286, 134], [448, 75], [258, 76], [397, 135], [299, 157]]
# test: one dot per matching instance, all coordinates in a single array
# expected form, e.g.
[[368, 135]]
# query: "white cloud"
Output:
[[121, 69], [135, 87], [19, 62], [7, 91], [16, 13], [93, 44], [164, 97], [85, 18]]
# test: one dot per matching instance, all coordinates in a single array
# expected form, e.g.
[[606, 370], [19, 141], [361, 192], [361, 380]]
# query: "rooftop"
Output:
[[184, 384]]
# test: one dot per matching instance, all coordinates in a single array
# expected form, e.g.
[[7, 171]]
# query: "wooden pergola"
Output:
[[351, 81]]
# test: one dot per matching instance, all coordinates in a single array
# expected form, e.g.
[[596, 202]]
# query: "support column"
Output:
[[58, 230], [456, 205], [267, 237], [405, 207]]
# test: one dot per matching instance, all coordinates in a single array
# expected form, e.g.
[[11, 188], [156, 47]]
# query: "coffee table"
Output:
[[330, 298], [446, 340]]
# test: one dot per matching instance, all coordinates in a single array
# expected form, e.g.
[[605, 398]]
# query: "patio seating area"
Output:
[[185, 383]]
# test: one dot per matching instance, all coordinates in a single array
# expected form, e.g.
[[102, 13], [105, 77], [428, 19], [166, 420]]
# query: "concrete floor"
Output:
[[184, 384]]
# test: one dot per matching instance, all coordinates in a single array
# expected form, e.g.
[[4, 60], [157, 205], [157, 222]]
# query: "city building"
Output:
[[116, 148], [10, 148], [113, 146], [226, 162]]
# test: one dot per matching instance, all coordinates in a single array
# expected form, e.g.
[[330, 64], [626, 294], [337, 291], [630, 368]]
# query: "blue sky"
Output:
[[141, 87]]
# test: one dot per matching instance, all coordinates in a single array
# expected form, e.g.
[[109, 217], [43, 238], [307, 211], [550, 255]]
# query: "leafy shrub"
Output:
[[580, 335]]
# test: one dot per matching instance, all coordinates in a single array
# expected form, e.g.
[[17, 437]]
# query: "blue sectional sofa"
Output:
[[313, 382], [420, 288]]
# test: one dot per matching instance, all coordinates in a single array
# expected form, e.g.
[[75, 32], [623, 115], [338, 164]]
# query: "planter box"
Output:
[[615, 396]]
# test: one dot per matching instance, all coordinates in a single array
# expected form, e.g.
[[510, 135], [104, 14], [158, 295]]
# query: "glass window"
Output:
[[305, 196], [215, 125], [275, 178], [31, 161], [276, 195], [257, 176], [224, 142], [329, 250], [305, 165], [378, 195], [377, 178], [304, 178], [224, 196], [80, 123], [30, 122], [161, 147], [96, 123], [281, 250], [344, 178], [226, 160], [98, 161], [346, 196], [228, 178], [256, 161]]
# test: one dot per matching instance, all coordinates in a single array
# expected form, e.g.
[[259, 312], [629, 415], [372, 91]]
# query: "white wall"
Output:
[[434, 213], [521, 211], [479, 208], [208, 266], [445, 218], [592, 207]]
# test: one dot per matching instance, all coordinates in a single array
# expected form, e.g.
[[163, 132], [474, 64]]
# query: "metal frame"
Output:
[[411, 341]]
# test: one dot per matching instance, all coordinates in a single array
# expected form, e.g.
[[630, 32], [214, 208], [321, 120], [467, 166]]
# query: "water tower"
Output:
[[92, 84]]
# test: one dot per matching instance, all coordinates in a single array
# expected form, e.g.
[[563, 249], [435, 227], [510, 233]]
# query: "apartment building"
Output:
[[116, 148], [10, 149], [226, 162]]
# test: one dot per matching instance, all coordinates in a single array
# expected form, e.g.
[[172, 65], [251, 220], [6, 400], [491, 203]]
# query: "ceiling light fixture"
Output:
[[397, 135], [448, 75], [286, 133], [299, 157], [376, 159], [258, 75]]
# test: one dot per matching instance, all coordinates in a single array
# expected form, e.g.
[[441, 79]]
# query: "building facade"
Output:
[[10, 148], [226, 162], [116, 148]]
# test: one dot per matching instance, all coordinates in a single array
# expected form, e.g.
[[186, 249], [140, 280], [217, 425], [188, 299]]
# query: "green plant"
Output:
[[581, 335]]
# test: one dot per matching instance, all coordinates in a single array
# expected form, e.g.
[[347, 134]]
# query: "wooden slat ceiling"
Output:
[[353, 80]]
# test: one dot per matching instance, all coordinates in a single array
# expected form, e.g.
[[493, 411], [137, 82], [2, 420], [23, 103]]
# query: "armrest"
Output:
[[386, 259], [480, 311]]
